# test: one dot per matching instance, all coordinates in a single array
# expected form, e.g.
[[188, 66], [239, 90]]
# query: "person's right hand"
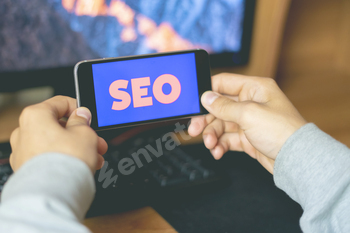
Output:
[[249, 114]]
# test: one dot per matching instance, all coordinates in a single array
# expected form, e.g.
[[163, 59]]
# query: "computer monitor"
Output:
[[41, 40]]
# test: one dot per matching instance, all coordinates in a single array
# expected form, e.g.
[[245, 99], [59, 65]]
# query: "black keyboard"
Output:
[[179, 173], [5, 168], [172, 170]]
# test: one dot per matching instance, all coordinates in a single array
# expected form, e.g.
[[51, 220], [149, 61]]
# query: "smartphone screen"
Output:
[[141, 89]]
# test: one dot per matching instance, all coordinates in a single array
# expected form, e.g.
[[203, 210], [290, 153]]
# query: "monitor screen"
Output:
[[42, 34]]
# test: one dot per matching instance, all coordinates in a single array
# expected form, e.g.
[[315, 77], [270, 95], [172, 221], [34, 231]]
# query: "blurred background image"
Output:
[[50, 33]]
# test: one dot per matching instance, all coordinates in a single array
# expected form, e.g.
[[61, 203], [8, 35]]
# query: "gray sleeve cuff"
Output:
[[312, 167], [64, 178]]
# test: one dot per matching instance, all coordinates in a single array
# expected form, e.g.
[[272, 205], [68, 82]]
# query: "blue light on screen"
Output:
[[182, 66]]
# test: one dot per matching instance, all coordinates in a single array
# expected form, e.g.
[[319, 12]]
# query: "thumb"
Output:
[[221, 106], [81, 116]]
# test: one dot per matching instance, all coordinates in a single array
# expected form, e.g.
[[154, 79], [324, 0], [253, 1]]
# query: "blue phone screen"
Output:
[[145, 89]]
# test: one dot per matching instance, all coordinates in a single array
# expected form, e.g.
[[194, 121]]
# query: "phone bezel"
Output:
[[85, 92]]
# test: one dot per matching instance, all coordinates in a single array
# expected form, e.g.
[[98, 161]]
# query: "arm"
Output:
[[54, 161], [253, 115], [50, 193], [314, 170]]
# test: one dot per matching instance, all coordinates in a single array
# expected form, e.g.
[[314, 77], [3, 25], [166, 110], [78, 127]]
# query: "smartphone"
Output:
[[135, 90]]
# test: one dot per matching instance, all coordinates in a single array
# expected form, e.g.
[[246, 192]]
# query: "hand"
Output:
[[41, 130], [249, 114]]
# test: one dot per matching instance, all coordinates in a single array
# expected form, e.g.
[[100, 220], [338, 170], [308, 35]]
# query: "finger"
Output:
[[199, 123], [232, 97], [102, 146], [220, 106], [81, 116], [231, 141], [100, 162], [61, 106], [216, 129], [228, 141], [231, 127], [12, 162], [227, 109], [218, 151], [212, 132], [13, 143], [232, 84], [48, 111], [14, 137]]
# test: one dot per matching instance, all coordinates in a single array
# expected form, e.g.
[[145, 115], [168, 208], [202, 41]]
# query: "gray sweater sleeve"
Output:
[[314, 170], [49, 193]]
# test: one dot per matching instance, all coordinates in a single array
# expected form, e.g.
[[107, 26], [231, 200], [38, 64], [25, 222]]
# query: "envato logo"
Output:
[[127, 165]]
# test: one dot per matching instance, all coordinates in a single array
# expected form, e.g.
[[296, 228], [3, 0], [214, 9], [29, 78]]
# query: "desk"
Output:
[[8, 121], [142, 220]]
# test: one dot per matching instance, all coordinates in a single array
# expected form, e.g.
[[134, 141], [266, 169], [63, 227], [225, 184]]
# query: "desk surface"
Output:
[[142, 220]]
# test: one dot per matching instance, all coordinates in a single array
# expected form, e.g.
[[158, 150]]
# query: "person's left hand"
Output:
[[42, 130]]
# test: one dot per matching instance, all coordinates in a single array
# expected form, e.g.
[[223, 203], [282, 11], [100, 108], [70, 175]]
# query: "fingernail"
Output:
[[209, 97], [84, 112]]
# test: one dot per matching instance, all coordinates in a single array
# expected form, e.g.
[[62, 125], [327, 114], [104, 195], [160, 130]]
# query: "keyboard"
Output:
[[5, 168], [179, 172]]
